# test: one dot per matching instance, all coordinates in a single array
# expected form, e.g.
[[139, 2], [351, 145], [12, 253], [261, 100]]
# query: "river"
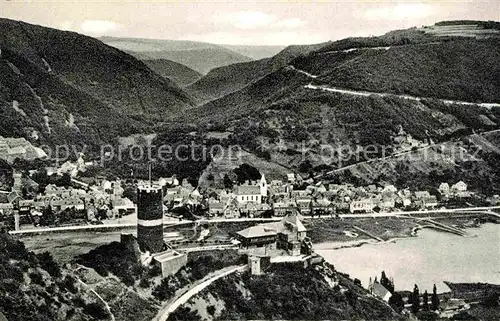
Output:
[[430, 258]]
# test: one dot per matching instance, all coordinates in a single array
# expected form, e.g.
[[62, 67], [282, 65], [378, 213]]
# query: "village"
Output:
[[70, 201]]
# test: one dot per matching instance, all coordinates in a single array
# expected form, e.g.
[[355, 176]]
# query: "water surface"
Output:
[[431, 257]]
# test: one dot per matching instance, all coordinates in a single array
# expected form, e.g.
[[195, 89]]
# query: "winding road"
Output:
[[187, 293], [408, 97]]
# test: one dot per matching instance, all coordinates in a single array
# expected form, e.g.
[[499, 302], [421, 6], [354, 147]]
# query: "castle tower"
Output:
[[150, 218]]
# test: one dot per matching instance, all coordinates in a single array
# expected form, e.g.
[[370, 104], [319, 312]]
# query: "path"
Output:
[[408, 97], [420, 149], [98, 296], [186, 294]]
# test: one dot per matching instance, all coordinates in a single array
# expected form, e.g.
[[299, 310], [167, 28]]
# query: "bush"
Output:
[[48, 264], [96, 311]]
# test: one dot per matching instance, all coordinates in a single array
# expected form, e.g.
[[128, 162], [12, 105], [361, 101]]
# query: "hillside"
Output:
[[462, 69], [177, 72], [254, 51], [199, 56], [59, 87], [312, 114], [286, 292], [33, 287], [225, 80]]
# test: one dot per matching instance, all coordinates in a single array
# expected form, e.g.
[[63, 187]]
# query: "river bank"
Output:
[[427, 258]]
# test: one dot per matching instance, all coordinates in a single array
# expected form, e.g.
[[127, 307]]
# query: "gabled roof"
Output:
[[257, 231], [248, 190], [13, 196], [295, 220], [379, 290]]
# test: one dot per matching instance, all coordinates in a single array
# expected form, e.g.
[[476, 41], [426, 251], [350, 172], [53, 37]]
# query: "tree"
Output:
[[228, 183], [434, 299], [64, 180], [396, 302], [415, 300], [425, 305], [386, 282], [491, 299]]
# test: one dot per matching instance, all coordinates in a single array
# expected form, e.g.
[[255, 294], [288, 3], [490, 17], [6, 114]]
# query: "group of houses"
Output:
[[19, 148], [287, 236], [257, 198], [104, 200], [282, 197]]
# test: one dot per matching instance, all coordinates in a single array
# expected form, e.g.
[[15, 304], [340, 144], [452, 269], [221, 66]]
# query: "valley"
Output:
[[154, 179]]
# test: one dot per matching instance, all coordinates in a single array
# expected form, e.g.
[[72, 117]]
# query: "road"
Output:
[[396, 155], [187, 293], [99, 297], [479, 210], [129, 225], [487, 210], [408, 97]]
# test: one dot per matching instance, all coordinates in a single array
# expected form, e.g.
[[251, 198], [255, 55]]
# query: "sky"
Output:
[[244, 22]]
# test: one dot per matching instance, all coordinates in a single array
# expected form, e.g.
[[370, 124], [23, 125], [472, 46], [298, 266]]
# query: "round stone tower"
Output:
[[150, 218]]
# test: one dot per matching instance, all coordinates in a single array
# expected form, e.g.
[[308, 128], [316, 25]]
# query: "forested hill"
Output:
[[33, 287], [59, 87], [227, 79]]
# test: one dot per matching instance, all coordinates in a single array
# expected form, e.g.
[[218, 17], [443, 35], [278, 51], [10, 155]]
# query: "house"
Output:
[[259, 237], [421, 194], [299, 193], [14, 198], [253, 209], [276, 183], [379, 291], [25, 206], [291, 234], [452, 307], [389, 189], [124, 206], [362, 206], [169, 181], [322, 206], [282, 191], [320, 188], [387, 203], [459, 187], [403, 201], [283, 208], [258, 264], [304, 203], [444, 189], [248, 193], [170, 261], [6, 208], [216, 208], [291, 178], [288, 234], [424, 199]]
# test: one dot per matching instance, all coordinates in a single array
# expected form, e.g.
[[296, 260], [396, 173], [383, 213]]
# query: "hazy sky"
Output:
[[238, 22]]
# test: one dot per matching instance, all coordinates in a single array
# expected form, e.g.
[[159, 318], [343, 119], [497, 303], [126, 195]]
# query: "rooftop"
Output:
[[257, 231], [248, 190]]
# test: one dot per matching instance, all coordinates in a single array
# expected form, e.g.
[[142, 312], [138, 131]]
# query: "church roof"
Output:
[[248, 190]]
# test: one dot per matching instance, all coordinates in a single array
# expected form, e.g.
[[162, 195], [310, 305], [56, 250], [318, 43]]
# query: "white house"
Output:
[[444, 188], [248, 193], [364, 205], [459, 187]]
